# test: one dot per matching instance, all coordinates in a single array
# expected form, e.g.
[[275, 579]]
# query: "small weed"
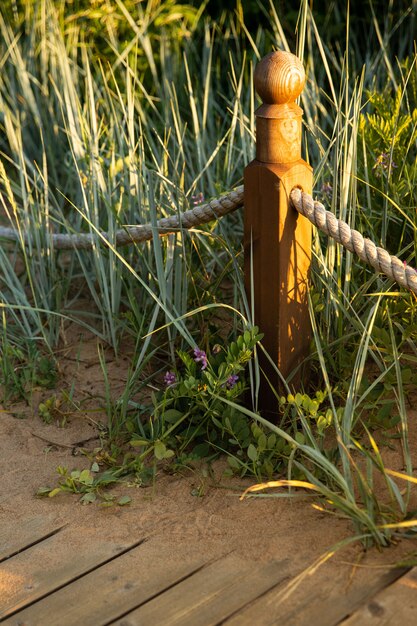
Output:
[[51, 410], [21, 372], [58, 408], [89, 484], [312, 409]]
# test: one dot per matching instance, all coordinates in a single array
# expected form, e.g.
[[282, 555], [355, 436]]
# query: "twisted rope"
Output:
[[351, 239], [315, 212], [137, 234]]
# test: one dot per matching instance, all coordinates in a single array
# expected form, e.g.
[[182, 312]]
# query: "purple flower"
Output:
[[197, 199], [170, 378], [231, 381], [200, 357]]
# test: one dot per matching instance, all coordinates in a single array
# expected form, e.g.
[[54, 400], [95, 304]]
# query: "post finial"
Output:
[[279, 78]]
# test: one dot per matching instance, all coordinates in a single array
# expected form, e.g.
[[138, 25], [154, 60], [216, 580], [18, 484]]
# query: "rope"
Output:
[[351, 239], [314, 211], [137, 234]]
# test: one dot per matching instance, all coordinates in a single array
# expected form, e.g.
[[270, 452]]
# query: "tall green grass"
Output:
[[132, 114]]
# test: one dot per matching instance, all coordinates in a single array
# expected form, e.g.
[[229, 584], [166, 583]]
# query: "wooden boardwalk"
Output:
[[132, 584]]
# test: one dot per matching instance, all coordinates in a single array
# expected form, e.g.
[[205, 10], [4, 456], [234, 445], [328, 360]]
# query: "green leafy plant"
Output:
[[312, 409], [89, 484], [22, 371], [58, 408], [189, 420]]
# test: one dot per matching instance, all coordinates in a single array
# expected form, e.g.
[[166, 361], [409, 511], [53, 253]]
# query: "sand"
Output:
[[195, 512]]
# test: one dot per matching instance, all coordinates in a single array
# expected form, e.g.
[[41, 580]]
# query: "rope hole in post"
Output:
[[291, 203]]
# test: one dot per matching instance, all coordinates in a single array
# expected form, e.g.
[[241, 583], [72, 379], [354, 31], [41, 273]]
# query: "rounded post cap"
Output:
[[279, 78]]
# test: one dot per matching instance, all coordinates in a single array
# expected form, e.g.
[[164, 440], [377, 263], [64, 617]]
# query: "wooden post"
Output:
[[277, 240]]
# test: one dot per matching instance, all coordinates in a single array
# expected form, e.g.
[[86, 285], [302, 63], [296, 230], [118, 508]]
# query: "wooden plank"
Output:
[[16, 538], [209, 596], [49, 565], [322, 599], [109, 591], [397, 604]]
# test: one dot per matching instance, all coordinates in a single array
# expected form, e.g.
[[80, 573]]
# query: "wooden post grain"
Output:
[[277, 239]]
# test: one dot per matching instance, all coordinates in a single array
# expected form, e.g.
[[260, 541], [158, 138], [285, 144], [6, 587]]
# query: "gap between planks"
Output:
[[211, 595], [325, 598], [104, 594], [29, 532], [26, 579], [130, 585], [393, 605]]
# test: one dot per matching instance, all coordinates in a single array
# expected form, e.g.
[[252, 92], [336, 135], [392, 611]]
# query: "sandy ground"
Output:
[[212, 524]]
